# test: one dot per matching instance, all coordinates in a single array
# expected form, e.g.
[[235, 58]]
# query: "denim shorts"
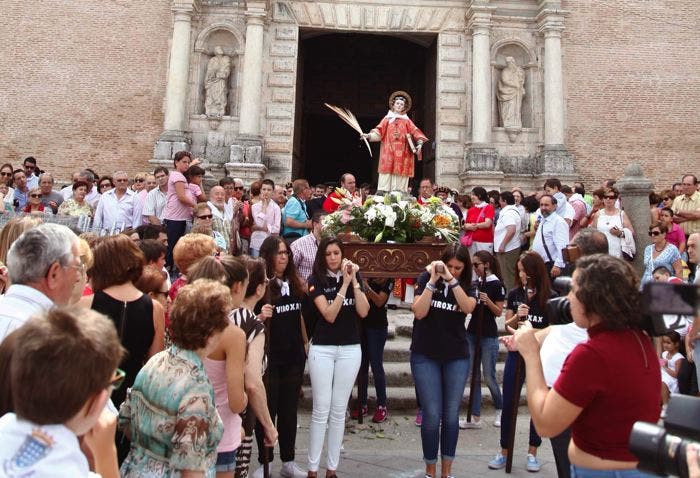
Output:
[[226, 461]]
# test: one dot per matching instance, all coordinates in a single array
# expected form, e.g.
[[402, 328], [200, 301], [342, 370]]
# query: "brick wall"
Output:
[[633, 87], [82, 83]]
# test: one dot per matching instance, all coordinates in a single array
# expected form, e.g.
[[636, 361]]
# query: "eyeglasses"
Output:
[[35, 196], [117, 380], [655, 233], [78, 267], [206, 216], [139, 180], [609, 197], [105, 185], [4, 173], [238, 188]]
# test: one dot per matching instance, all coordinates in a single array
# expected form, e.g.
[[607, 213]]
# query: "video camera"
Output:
[[662, 450]]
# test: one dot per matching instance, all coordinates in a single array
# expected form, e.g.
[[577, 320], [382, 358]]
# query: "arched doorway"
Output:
[[358, 72]]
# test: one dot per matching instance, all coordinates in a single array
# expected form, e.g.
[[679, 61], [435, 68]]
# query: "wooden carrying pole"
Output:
[[476, 359], [519, 369]]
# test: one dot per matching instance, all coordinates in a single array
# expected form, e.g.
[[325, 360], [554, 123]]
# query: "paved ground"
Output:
[[393, 450]]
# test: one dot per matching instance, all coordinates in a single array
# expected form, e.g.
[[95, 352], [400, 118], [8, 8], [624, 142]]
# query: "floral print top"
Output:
[[171, 418], [70, 207]]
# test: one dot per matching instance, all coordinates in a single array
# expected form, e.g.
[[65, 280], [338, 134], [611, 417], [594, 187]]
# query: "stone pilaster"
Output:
[[252, 70], [634, 190]]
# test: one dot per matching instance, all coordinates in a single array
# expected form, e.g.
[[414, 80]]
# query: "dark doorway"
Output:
[[358, 72]]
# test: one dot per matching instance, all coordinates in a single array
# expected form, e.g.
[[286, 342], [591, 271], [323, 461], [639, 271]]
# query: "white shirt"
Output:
[[10, 196], [28, 449], [154, 205], [556, 237], [18, 304], [558, 344], [120, 213], [32, 181], [509, 216]]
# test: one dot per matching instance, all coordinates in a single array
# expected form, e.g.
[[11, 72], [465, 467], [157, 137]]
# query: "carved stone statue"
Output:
[[510, 94], [216, 83]]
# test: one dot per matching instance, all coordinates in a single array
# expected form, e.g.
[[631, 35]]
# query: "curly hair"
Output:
[[199, 311], [190, 248], [618, 307]]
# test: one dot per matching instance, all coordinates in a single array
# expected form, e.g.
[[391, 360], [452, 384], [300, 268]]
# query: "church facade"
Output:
[[509, 92]]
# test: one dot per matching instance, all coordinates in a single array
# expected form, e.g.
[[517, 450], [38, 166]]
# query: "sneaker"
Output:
[[291, 470], [354, 414], [419, 418], [259, 473], [379, 414], [464, 424], [497, 421], [498, 462], [533, 464]]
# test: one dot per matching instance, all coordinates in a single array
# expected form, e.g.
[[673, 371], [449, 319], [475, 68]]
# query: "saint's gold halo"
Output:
[[405, 95]]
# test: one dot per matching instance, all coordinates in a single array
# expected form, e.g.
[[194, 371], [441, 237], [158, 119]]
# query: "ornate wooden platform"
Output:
[[392, 260]]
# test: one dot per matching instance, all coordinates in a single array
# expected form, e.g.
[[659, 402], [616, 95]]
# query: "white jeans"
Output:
[[333, 370]]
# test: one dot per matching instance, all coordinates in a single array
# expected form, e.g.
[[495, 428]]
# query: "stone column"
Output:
[[634, 193], [174, 138], [482, 165], [555, 158], [252, 72]]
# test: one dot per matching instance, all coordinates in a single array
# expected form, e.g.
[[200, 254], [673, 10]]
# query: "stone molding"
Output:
[[200, 42]]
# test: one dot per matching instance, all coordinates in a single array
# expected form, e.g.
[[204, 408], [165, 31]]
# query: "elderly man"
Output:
[[49, 197], [425, 190], [280, 195], [551, 236], [295, 218], [304, 249], [44, 265], [118, 208], [347, 182], [217, 205], [21, 190], [686, 209], [154, 205]]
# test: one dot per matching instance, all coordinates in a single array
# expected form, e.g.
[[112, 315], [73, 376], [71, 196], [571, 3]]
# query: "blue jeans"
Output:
[[580, 472], [373, 341], [440, 385], [489, 354], [509, 387]]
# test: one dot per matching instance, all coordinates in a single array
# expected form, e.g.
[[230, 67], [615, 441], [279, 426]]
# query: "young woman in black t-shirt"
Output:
[[492, 297], [286, 335], [440, 353], [334, 355], [526, 302]]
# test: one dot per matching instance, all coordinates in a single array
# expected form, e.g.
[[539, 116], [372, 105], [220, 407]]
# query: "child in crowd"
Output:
[[41, 437], [670, 361]]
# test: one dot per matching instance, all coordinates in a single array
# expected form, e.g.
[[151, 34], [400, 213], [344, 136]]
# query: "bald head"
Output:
[[692, 247]]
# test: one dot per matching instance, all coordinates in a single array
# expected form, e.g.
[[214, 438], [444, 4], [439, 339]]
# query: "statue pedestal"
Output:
[[555, 161], [169, 143], [246, 159], [483, 168], [248, 172]]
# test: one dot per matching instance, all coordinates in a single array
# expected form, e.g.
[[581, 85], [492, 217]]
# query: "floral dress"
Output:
[[666, 258], [70, 207], [171, 418]]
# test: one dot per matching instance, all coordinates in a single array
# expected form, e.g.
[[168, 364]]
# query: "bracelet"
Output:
[[453, 283], [430, 287], [340, 295]]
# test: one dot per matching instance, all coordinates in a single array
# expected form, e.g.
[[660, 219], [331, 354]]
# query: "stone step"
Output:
[[403, 324], [404, 398], [398, 374], [398, 350]]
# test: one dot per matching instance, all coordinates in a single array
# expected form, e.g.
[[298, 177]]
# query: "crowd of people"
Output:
[[194, 313]]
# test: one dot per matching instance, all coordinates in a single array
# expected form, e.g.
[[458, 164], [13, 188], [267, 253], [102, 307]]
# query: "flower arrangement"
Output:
[[391, 218]]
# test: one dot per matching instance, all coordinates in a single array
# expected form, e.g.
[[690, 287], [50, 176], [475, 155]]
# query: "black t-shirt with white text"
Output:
[[345, 330], [441, 334], [536, 316], [286, 341], [497, 293]]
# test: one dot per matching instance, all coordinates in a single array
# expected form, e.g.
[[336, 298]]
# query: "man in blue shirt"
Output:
[[294, 216]]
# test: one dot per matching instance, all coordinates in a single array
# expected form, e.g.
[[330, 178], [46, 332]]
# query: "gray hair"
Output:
[[89, 177], [45, 175], [31, 255]]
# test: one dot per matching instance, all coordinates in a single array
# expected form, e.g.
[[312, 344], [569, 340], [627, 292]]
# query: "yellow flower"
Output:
[[441, 221]]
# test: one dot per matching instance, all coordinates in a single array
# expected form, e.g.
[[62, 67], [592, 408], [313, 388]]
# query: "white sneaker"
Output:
[[291, 470], [464, 424], [497, 421], [259, 473]]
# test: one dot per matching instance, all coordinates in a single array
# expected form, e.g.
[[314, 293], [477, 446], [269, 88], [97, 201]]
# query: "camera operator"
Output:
[[607, 382]]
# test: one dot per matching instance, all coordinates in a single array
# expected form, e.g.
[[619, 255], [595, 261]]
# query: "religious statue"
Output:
[[216, 83], [400, 139], [510, 94]]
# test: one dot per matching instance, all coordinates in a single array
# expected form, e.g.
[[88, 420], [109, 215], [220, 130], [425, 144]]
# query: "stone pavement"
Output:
[[393, 449]]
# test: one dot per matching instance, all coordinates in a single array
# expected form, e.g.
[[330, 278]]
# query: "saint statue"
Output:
[[510, 94], [400, 139], [216, 83]]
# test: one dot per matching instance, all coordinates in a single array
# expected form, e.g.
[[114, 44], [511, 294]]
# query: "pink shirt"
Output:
[[675, 235], [231, 439], [174, 209], [270, 220]]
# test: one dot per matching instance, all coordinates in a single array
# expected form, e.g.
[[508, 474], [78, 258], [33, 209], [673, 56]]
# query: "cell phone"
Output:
[[439, 268]]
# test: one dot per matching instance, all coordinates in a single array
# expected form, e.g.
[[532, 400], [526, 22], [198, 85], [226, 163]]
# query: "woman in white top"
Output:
[[611, 221], [267, 217]]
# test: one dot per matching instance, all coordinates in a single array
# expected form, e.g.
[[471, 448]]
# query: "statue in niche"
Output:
[[216, 83], [511, 89]]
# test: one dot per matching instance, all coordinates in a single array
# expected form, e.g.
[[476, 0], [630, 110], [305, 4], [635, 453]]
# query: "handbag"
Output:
[[467, 239]]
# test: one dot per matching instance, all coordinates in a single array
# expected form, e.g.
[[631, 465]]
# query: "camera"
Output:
[[668, 306], [663, 450], [559, 308]]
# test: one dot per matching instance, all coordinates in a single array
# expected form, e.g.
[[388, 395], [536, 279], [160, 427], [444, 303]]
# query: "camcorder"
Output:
[[662, 450]]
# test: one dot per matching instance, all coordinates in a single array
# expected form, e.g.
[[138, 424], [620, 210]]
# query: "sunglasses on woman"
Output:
[[655, 233]]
